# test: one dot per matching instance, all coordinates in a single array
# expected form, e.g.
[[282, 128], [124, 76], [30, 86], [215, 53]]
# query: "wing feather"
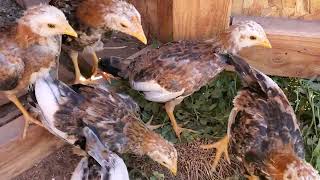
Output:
[[183, 66], [11, 70]]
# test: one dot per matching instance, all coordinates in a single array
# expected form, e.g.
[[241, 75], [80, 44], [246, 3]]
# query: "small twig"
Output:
[[120, 47]]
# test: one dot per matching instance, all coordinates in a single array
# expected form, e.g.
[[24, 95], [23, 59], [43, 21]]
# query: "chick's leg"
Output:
[[153, 127], [253, 177], [222, 145], [79, 79], [95, 63], [28, 118], [169, 106]]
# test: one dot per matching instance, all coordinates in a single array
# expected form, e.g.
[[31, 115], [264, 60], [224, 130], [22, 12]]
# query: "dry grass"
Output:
[[194, 163]]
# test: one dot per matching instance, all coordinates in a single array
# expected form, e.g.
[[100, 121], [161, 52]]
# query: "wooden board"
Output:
[[200, 19], [296, 47], [156, 17], [175, 19], [19, 155], [295, 9]]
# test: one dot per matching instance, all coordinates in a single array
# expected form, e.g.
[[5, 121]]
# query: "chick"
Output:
[[29, 50], [113, 117], [263, 128], [92, 18], [176, 70]]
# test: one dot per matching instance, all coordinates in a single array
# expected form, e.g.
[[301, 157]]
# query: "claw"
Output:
[[108, 77], [153, 127], [28, 118], [221, 148]]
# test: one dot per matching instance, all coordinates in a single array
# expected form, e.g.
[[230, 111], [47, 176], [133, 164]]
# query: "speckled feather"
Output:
[[21, 57], [101, 164], [86, 35], [113, 117], [88, 17], [265, 124], [177, 66]]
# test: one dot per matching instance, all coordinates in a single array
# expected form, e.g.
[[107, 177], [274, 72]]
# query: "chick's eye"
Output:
[[51, 26], [253, 37], [123, 25]]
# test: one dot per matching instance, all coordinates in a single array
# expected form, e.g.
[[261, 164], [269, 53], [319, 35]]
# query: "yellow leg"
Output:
[[95, 64], [252, 177], [169, 106], [78, 77], [221, 148], [153, 127], [28, 118], [222, 145]]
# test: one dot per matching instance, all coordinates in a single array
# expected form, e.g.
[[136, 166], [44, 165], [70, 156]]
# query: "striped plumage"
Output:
[[113, 117], [175, 70], [92, 19], [29, 50], [263, 129], [100, 164]]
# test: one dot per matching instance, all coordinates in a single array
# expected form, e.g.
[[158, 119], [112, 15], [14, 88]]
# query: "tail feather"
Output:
[[112, 166], [116, 66], [251, 77], [52, 96]]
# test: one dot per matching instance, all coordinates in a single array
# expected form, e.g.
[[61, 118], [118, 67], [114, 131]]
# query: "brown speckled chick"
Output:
[[92, 18], [30, 50], [263, 130], [176, 70], [113, 117]]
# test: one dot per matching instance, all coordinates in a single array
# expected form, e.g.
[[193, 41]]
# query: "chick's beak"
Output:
[[266, 43], [140, 35], [68, 30], [174, 170]]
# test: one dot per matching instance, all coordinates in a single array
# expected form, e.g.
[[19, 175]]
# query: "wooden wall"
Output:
[[298, 9], [180, 19]]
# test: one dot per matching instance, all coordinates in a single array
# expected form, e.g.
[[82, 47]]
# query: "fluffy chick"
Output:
[[263, 128], [30, 50], [92, 18], [176, 70], [113, 117]]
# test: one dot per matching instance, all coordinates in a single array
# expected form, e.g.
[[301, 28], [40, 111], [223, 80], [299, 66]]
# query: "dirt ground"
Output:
[[57, 166]]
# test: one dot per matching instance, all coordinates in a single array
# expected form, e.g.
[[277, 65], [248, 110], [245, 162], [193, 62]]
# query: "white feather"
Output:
[[119, 170], [78, 173], [47, 95], [154, 92]]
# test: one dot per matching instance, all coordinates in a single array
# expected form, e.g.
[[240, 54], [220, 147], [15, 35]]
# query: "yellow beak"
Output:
[[174, 170], [68, 30], [140, 36], [266, 43]]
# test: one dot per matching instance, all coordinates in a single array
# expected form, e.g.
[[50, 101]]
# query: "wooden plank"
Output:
[[200, 19], [294, 9], [18, 155], [296, 47], [156, 17]]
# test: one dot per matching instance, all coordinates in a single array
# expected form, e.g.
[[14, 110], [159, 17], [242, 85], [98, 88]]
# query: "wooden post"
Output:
[[180, 19], [200, 19]]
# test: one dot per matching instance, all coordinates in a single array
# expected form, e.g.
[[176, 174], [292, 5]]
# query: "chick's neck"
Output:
[[284, 164], [141, 140], [25, 37]]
